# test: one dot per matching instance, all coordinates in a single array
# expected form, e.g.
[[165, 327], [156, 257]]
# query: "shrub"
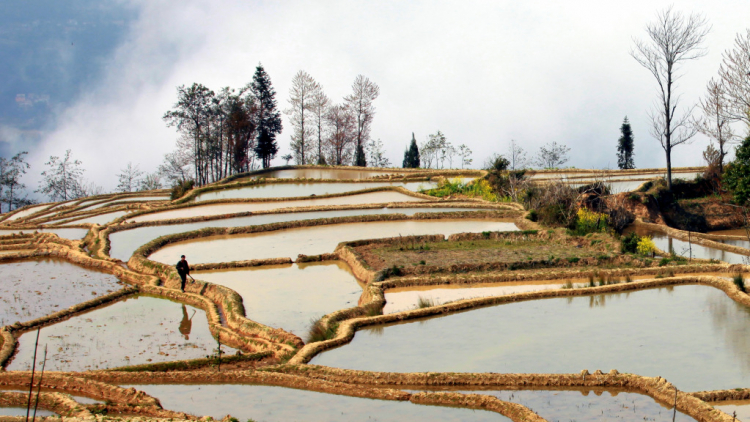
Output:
[[180, 188], [646, 246], [739, 282], [319, 333], [629, 243], [574, 259], [664, 261], [532, 215]]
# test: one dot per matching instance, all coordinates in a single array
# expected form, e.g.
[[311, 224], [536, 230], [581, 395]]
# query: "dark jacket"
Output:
[[183, 267]]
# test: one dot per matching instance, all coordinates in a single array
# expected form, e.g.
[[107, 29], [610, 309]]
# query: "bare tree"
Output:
[[376, 152], [152, 181], [465, 153], [11, 172], [552, 155], [359, 104], [735, 78], [341, 134], [301, 97], [673, 39], [715, 122], [517, 156], [63, 180], [318, 108], [176, 165], [129, 178]]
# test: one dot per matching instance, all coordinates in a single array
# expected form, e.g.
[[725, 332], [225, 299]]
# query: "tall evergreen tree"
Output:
[[411, 155], [359, 157], [268, 118], [625, 147]]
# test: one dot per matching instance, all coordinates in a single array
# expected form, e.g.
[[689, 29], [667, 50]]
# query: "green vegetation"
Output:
[[737, 174], [477, 189], [319, 332], [588, 221], [180, 188], [739, 281], [423, 302], [629, 243]]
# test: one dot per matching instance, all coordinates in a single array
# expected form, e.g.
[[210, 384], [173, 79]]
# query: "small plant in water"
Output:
[[568, 285], [739, 282], [425, 302]]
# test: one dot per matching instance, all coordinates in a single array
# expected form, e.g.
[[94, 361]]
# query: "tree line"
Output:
[[329, 133], [223, 133]]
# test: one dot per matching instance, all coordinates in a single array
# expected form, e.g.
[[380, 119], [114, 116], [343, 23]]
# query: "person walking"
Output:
[[183, 269]]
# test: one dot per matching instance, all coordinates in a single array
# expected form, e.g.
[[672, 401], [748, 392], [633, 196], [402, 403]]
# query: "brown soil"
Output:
[[470, 254]]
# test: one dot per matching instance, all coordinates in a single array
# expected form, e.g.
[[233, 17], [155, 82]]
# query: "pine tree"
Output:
[[411, 155], [268, 119], [625, 147], [359, 157]]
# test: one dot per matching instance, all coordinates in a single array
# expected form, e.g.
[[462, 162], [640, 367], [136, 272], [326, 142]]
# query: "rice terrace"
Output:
[[278, 261]]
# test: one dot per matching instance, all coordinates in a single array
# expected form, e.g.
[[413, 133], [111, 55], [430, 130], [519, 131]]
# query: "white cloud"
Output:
[[483, 72]]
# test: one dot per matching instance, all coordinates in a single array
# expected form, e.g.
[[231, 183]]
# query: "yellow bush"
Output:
[[646, 246], [590, 221]]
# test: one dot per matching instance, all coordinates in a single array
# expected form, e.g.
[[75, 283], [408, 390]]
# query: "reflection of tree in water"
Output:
[[732, 320]]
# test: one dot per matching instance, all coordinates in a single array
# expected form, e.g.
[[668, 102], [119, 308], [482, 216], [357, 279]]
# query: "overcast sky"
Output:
[[482, 72]]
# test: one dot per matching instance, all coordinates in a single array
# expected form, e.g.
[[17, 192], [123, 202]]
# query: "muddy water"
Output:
[[689, 249], [33, 289], [292, 190], [289, 296], [124, 243], [128, 332], [26, 212], [21, 411], [588, 405], [615, 186], [97, 219], [72, 234], [742, 243], [263, 403], [330, 174], [405, 298], [566, 335], [313, 240], [740, 407], [382, 197]]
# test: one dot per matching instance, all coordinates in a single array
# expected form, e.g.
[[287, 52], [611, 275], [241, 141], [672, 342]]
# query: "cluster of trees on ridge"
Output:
[[235, 131]]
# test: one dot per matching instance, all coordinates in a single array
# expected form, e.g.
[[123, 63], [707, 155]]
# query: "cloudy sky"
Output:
[[483, 72]]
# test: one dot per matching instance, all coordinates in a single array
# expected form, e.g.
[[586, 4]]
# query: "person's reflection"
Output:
[[186, 324]]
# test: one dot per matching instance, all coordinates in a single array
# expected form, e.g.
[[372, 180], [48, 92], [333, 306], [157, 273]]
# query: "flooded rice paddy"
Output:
[[635, 332], [132, 331], [295, 190], [264, 403], [381, 197], [21, 411], [330, 174], [35, 288], [313, 240], [289, 296], [26, 212], [689, 249], [584, 405], [125, 242], [740, 407], [406, 298], [101, 219]]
